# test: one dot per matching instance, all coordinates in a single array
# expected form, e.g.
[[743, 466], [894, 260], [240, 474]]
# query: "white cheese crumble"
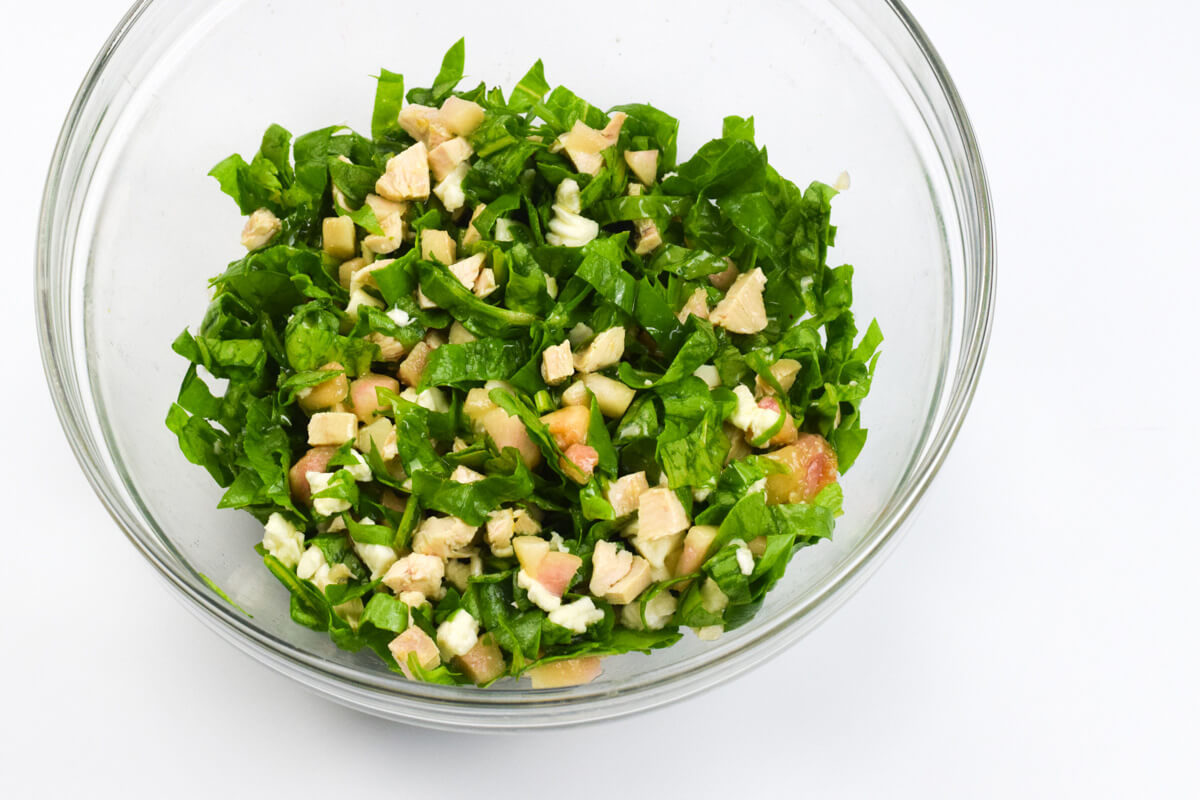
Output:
[[577, 616], [458, 634], [539, 595], [282, 540], [745, 559]]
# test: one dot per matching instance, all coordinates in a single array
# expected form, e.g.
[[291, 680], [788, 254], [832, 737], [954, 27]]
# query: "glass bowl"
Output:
[[131, 229]]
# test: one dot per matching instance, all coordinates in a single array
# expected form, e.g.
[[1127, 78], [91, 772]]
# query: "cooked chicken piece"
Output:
[[437, 246], [415, 640], [467, 270], [261, 227], [407, 175], [425, 124], [332, 428], [557, 363], [461, 116], [416, 572], [644, 164], [660, 514], [624, 492], [604, 351], [444, 537], [412, 366], [444, 158], [485, 284], [784, 371], [742, 309], [392, 238], [696, 304]]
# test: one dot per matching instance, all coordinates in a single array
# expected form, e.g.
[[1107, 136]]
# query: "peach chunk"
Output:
[[327, 393], [579, 462], [811, 464], [568, 425], [572, 672], [484, 662], [364, 398], [509, 431], [315, 460], [555, 571]]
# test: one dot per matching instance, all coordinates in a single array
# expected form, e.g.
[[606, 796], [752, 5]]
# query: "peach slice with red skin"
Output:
[[315, 460], [556, 570], [364, 398], [811, 466], [484, 662], [572, 672]]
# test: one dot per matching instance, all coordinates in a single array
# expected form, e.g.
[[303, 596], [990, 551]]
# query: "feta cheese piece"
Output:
[[539, 595], [485, 284], [399, 316], [577, 616], [261, 227], [437, 246], [659, 611], [450, 189], [643, 164], [709, 374], [464, 474], [338, 237], [444, 537], [432, 399], [468, 269], [332, 428], [741, 310], [604, 351], [425, 124], [712, 598], [461, 116], [746, 409], [660, 514], [499, 533], [282, 540], [623, 493], [416, 642], [766, 416], [416, 572], [842, 181], [568, 228], [745, 558], [446, 157], [325, 506], [460, 570], [458, 634], [406, 176], [314, 568], [379, 558], [557, 363], [696, 304], [361, 470]]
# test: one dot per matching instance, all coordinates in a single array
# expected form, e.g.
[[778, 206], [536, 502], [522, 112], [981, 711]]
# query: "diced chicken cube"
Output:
[[485, 284], [407, 175], [557, 363], [332, 428], [338, 237], [390, 348], [425, 124], [742, 309], [660, 514], [450, 189], [571, 672], [500, 532], [618, 576], [416, 572], [644, 164], [444, 537], [464, 474], [437, 246], [414, 365], [468, 269], [347, 269], [382, 207], [471, 235], [696, 304], [393, 235], [414, 641], [444, 158], [461, 116], [633, 584], [625, 492], [524, 523], [604, 351], [647, 237], [261, 227]]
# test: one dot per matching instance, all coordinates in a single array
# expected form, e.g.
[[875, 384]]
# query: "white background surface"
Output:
[[1035, 634]]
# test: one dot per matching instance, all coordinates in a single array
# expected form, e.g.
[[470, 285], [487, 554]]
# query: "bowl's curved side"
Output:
[[60, 299]]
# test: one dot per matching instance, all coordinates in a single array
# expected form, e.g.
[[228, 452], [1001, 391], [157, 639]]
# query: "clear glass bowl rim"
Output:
[[464, 707]]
